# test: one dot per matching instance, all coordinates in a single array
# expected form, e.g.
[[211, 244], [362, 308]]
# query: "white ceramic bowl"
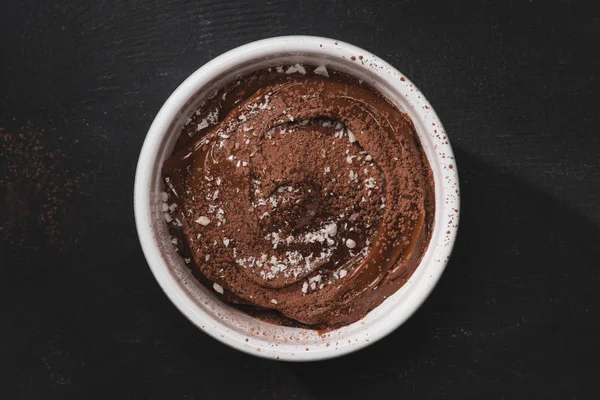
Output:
[[198, 303]]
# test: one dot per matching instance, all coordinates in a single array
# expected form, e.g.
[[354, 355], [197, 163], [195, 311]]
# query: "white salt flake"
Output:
[[273, 301], [218, 288], [368, 157], [305, 287], [202, 221], [321, 70], [351, 136], [331, 229], [226, 242], [203, 124], [343, 273], [350, 243], [370, 183]]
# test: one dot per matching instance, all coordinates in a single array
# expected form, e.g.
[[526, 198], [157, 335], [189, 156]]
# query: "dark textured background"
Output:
[[517, 313]]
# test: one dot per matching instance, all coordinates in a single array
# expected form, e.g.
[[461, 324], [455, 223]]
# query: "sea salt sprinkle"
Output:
[[321, 70], [370, 183], [304, 287], [218, 288], [351, 137], [202, 221], [296, 68]]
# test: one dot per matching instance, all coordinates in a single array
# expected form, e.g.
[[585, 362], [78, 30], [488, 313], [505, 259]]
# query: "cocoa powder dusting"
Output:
[[301, 195], [35, 184]]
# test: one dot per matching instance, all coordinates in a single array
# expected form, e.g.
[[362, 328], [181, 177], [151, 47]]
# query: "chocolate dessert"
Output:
[[300, 195]]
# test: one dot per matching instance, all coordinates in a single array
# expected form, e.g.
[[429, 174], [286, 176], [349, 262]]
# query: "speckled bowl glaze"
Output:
[[199, 304]]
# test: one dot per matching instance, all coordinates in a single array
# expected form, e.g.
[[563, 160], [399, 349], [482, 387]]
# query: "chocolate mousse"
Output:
[[300, 195]]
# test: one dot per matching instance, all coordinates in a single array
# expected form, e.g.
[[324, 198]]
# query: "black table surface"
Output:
[[515, 315]]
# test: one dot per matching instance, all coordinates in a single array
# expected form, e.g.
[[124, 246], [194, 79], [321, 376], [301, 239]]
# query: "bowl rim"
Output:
[[201, 77]]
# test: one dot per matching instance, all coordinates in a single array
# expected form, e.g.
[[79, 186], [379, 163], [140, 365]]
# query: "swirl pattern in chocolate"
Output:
[[303, 197]]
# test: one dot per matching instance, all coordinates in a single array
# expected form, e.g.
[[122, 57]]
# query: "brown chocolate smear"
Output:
[[308, 199]]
